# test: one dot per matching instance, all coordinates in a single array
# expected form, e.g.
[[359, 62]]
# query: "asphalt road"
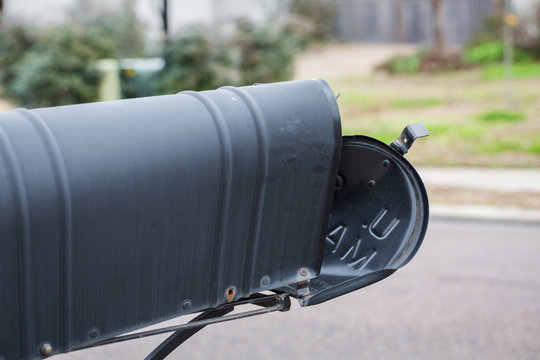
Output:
[[472, 292]]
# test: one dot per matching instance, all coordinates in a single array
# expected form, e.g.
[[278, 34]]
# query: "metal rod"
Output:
[[282, 303], [189, 325], [180, 336]]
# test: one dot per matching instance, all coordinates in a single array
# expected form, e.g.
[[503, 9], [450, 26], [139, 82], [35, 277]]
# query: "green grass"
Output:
[[418, 102], [515, 145], [386, 99], [501, 116], [534, 148], [465, 114], [520, 71], [351, 98], [472, 131]]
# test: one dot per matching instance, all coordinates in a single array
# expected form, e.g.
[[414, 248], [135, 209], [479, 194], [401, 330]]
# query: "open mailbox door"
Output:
[[118, 215]]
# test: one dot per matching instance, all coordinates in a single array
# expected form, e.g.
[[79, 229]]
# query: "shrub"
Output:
[[192, 61], [321, 13], [121, 25], [487, 47], [405, 64], [493, 52], [59, 70], [299, 29], [15, 41], [55, 66], [491, 31], [196, 61], [485, 53], [433, 62], [43, 81], [263, 54], [424, 62]]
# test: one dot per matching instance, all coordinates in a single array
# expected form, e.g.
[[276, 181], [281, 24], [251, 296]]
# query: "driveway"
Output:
[[346, 60]]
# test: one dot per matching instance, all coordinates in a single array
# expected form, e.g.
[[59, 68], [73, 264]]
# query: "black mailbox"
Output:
[[118, 215]]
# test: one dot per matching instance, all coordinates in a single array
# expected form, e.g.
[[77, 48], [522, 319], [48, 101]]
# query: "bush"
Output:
[[55, 66], [44, 81], [491, 31], [59, 70], [321, 13], [442, 62], [486, 46], [485, 53], [193, 62], [254, 54], [493, 52], [121, 26], [15, 40], [300, 30], [405, 64], [263, 54], [424, 62]]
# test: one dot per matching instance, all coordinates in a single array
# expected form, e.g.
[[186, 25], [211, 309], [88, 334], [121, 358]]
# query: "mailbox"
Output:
[[122, 214]]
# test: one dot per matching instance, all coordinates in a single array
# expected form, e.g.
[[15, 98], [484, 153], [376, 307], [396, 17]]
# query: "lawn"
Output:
[[465, 112]]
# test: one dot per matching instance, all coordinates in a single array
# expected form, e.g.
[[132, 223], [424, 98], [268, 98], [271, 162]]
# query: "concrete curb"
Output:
[[484, 212], [499, 179]]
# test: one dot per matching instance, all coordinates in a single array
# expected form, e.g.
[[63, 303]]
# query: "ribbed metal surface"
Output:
[[121, 214]]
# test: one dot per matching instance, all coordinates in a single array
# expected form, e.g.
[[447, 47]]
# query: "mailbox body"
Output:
[[121, 214]]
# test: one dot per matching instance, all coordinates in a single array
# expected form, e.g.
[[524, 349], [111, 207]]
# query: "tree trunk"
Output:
[[439, 45], [497, 6], [399, 22]]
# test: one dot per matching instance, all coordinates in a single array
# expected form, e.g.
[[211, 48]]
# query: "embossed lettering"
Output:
[[351, 256], [378, 230], [336, 237], [363, 261]]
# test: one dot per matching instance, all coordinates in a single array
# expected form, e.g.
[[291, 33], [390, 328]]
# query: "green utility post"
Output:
[[109, 87]]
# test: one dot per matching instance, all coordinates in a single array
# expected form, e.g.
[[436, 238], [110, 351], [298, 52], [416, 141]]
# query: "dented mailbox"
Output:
[[118, 215]]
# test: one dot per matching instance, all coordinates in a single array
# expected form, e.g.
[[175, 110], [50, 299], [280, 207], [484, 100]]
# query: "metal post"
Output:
[[165, 18]]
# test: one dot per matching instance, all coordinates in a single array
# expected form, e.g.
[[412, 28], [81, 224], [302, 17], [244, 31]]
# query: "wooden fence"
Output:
[[379, 21]]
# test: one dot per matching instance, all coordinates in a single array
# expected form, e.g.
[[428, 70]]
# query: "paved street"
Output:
[[472, 292]]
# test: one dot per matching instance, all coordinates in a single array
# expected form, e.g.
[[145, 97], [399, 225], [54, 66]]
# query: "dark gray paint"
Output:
[[120, 214], [378, 220]]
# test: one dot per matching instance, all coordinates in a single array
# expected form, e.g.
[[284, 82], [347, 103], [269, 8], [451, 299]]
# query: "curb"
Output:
[[498, 179], [484, 212]]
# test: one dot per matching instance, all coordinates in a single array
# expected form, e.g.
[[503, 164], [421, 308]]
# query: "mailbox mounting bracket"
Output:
[[269, 303]]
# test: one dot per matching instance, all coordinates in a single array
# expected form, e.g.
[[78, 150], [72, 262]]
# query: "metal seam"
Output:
[[65, 217], [225, 190], [262, 171], [26, 311]]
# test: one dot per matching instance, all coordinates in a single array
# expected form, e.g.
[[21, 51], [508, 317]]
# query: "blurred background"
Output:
[[468, 69]]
